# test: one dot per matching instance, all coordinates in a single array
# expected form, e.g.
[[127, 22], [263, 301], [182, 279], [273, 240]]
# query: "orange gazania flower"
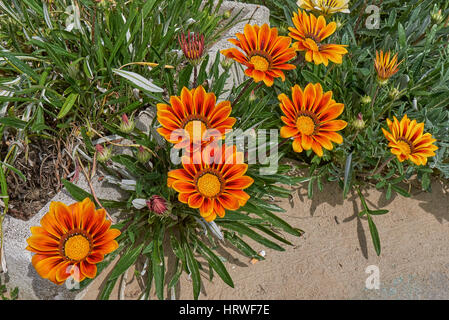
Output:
[[214, 184], [385, 66], [310, 119], [265, 54], [408, 140], [71, 241], [194, 118], [310, 32]]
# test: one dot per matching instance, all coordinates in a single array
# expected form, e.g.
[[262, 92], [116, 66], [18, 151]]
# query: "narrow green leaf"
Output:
[[13, 122], [107, 289], [401, 35], [347, 175], [401, 191], [242, 229], [215, 263], [126, 261], [378, 212], [158, 261], [68, 104], [271, 218], [138, 80], [374, 235], [15, 170], [192, 264]]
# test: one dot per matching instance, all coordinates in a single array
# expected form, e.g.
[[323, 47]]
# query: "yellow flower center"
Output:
[[305, 125], [195, 129], [260, 63], [77, 247], [209, 185], [405, 148]]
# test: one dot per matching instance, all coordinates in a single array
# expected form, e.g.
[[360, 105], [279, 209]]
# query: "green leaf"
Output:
[[20, 66], [68, 104], [272, 234], [401, 35], [80, 194], [401, 191], [76, 192], [378, 212], [184, 77], [347, 175], [374, 235], [192, 264], [126, 261], [158, 261], [388, 194], [271, 218], [242, 245], [13, 122], [107, 289], [178, 271], [215, 263], [17, 171], [310, 77], [425, 182], [138, 80], [242, 229]]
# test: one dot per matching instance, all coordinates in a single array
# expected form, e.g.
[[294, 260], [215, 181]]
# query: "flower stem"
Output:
[[283, 142], [245, 88], [374, 100], [195, 75], [379, 170]]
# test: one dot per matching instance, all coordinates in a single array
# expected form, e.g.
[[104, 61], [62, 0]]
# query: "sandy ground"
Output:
[[330, 260]]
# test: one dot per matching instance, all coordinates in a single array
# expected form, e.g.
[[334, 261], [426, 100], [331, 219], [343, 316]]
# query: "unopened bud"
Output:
[[283, 29], [103, 154], [226, 63], [366, 100], [102, 3], [437, 17], [394, 94], [126, 125], [252, 96], [143, 155], [159, 206], [359, 123], [339, 24], [382, 82], [227, 14]]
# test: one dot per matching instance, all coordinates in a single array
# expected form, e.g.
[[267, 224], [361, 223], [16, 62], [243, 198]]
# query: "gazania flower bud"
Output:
[[227, 14], [226, 63], [159, 206], [104, 154], [126, 125], [366, 99], [358, 123], [283, 29], [192, 46], [437, 17], [252, 96], [339, 24], [143, 156], [394, 94], [104, 3]]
